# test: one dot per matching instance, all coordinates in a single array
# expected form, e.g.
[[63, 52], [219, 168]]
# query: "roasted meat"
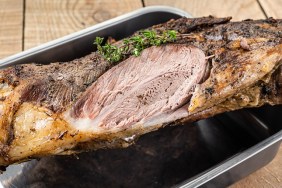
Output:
[[213, 66]]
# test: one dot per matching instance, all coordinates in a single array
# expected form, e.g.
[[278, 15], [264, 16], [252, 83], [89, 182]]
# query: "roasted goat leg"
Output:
[[212, 67]]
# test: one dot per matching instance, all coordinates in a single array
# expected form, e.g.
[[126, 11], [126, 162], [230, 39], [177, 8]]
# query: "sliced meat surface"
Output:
[[158, 82]]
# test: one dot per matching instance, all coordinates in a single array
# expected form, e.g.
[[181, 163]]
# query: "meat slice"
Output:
[[155, 84]]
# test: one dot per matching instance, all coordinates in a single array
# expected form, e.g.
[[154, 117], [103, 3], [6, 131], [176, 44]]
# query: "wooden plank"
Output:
[[239, 10], [272, 8], [50, 19], [269, 176], [11, 19]]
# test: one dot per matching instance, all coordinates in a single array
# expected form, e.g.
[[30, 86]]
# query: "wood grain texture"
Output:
[[272, 8], [268, 176], [46, 20], [239, 10], [11, 19]]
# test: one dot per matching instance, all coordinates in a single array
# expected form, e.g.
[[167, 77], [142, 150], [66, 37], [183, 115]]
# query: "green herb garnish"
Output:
[[134, 45]]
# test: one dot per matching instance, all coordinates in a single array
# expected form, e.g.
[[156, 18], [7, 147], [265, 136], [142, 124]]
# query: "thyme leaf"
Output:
[[134, 45]]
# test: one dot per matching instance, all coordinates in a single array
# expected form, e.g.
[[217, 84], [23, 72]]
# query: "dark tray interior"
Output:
[[159, 159]]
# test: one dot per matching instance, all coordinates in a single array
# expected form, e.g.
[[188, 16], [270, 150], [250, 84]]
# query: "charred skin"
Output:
[[265, 91], [33, 97], [234, 74]]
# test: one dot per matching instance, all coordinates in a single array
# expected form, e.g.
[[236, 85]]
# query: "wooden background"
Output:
[[28, 23]]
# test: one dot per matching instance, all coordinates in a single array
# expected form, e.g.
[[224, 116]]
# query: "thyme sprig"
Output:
[[133, 45]]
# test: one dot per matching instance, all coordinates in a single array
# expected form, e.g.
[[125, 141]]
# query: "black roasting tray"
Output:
[[214, 152]]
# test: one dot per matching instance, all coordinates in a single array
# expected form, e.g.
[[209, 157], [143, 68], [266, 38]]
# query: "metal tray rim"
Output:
[[51, 44], [234, 161]]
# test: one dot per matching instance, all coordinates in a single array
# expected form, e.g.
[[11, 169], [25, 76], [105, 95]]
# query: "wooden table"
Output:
[[28, 23]]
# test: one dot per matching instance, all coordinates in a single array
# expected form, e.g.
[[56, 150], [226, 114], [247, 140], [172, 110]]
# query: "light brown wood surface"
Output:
[[11, 19], [272, 8], [239, 10], [50, 19], [45, 20]]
